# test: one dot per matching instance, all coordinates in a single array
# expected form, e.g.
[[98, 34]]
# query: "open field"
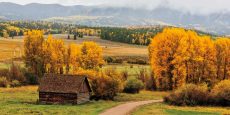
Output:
[[23, 100], [112, 48], [132, 70], [164, 109], [10, 48]]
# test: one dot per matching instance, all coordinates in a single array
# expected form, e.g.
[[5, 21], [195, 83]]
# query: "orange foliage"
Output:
[[51, 55], [178, 56]]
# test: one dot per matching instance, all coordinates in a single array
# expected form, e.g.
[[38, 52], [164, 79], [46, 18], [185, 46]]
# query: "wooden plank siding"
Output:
[[84, 94], [57, 98], [82, 98]]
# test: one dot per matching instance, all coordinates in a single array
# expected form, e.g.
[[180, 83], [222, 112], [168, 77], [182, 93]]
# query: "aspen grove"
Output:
[[179, 56]]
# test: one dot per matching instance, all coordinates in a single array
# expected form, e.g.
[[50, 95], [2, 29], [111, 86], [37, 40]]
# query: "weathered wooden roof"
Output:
[[62, 83]]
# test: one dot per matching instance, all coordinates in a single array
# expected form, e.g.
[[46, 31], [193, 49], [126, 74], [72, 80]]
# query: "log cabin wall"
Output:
[[57, 98], [84, 94], [82, 98], [61, 89]]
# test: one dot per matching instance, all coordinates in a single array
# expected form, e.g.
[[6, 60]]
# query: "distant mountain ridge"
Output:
[[116, 16]]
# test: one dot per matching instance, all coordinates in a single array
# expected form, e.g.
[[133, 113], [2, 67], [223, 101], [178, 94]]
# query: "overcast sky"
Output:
[[193, 6]]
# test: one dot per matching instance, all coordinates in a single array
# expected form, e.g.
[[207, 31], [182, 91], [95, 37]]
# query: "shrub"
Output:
[[146, 78], [15, 73], [143, 75], [221, 93], [3, 82], [127, 59], [108, 59], [31, 78], [15, 83], [125, 75], [107, 84], [4, 72], [150, 83], [133, 86], [91, 74], [140, 61], [189, 95]]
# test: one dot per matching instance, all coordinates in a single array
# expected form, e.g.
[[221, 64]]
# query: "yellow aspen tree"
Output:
[[162, 52], [207, 70], [54, 51], [178, 57], [196, 58], [91, 55], [33, 55], [223, 58], [72, 57]]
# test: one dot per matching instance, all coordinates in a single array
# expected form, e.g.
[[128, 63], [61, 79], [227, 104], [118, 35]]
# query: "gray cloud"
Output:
[[193, 6]]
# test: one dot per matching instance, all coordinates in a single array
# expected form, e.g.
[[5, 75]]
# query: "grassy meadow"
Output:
[[164, 109], [23, 100], [13, 48], [132, 69], [9, 46]]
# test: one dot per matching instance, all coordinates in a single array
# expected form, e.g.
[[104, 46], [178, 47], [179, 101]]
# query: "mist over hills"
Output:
[[218, 22]]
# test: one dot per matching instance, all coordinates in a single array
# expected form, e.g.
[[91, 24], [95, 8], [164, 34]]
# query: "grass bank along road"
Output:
[[126, 108]]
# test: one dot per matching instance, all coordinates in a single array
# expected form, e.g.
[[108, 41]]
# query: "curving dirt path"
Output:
[[126, 108]]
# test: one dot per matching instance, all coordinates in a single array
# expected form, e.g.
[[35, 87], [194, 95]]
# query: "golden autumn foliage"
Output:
[[33, 46], [89, 31], [91, 55], [107, 84], [52, 56], [178, 57], [72, 57], [223, 58]]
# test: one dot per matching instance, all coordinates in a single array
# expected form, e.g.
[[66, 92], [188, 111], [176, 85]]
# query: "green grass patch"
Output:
[[132, 70], [23, 101], [181, 112], [4, 66], [143, 95], [164, 109]]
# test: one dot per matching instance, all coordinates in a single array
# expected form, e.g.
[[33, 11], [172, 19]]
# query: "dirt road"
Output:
[[126, 108]]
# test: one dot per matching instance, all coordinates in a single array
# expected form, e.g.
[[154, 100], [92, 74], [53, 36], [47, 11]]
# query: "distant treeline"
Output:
[[142, 60], [138, 36], [17, 28], [130, 35]]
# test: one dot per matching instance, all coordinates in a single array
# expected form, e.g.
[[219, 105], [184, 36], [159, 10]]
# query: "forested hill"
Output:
[[138, 36], [218, 22], [131, 35]]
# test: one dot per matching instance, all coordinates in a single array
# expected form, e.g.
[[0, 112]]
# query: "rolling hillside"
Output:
[[116, 16]]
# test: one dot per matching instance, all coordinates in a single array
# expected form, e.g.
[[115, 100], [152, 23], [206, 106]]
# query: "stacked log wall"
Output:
[[57, 98], [84, 94], [83, 97]]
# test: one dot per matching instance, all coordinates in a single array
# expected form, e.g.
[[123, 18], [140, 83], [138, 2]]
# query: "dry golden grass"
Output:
[[111, 48], [19, 89], [8, 46]]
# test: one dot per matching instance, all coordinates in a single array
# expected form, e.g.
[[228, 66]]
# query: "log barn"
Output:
[[62, 89]]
